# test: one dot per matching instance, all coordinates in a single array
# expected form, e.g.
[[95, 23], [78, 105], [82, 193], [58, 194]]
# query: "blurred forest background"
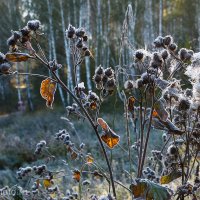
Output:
[[103, 21]]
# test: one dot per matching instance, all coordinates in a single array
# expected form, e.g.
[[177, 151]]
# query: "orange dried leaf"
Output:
[[160, 108], [155, 114], [76, 175], [74, 155], [110, 138], [93, 105], [47, 91], [89, 159], [103, 124], [138, 190], [17, 57], [131, 101]]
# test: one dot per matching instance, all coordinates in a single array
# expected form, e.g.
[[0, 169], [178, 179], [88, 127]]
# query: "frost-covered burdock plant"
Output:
[[156, 99]]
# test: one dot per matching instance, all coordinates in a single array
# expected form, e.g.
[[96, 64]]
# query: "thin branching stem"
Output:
[[87, 116]]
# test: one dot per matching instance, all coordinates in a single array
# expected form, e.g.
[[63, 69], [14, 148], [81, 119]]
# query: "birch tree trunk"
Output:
[[18, 84], [67, 50], [107, 36], [160, 16], [98, 33], [54, 47], [148, 24], [28, 89], [198, 25]]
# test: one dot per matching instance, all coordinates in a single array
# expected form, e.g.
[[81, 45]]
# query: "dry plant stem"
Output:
[[141, 137], [148, 134], [88, 117], [195, 159], [128, 132], [30, 74]]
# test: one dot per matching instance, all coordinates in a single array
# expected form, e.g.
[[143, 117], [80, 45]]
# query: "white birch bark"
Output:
[[54, 47], [67, 50]]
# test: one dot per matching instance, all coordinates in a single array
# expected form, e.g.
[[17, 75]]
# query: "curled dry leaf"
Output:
[[172, 128], [74, 155], [47, 183], [47, 91], [89, 159], [77, 175], [109, 137], [159, 107], [155, 114], [103, 124], [17, 57], [131, 101], [170, 177], [93, 105], [145, 189]]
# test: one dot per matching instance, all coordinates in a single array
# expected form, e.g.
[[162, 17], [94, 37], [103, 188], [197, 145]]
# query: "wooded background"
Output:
[[103, 21]]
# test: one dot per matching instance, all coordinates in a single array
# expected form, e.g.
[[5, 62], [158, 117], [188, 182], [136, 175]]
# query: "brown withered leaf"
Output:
[[172, 128], [93, 105], [76, 175], [131, 101], [103, 124], [145, 189], [159, 107], [47, 91], [155, 114], [74, 155], [17, 57], [110, 138]]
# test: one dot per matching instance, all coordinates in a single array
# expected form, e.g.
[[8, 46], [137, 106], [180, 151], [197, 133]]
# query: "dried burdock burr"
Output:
[[184, 55], [93, 96], [110, 85], [85, 38], [139, 55], [70, 32], [79, 43], [172, 47], [172, 150], [157, 59], [87, 53], [167, 40], [16, 35], [139, 83], [80, 32], [104, 79], [184, 104], [33, 25], [158, 42], [5, 67], [145, 78], [188, 92], [11, 41], [84, 47], [164, 54], [109, 72], [128, 85], [99, 70], [97, 78], [25, 31]]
